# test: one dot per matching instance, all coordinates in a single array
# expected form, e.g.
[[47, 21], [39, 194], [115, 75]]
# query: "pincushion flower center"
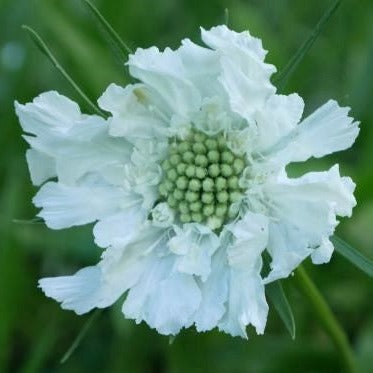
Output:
[[200, 179]]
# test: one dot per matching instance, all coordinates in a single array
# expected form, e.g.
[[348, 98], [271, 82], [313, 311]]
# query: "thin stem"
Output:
[[44, 48], [326, 318]]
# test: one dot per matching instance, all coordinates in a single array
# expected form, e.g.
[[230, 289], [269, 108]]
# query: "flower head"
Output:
[[187, 185]]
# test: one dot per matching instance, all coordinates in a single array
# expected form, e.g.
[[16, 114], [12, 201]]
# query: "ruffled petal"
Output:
[[165, 73], [304, 212], [77, 144], [64, 206], [164, 299], [194, 244], [49, 111], [280, 115], [101, 285], [214, 294], [329, 129], [246, 300], [41, 166], [133, 113], [244, 75]]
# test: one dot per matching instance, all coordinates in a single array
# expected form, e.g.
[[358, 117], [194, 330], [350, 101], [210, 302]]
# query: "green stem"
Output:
[[327, 319]]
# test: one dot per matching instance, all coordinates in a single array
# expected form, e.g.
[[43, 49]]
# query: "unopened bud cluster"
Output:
[[201, 179]]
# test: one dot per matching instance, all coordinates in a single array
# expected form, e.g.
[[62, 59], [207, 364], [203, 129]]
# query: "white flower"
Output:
[[186, 183]]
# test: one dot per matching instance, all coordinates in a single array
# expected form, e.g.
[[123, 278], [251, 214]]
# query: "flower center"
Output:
[[200, 181]]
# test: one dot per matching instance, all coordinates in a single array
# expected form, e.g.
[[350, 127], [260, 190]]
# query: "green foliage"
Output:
[[34, 332]]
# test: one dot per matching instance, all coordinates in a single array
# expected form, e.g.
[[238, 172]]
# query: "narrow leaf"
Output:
[[282, 77], [352, 255], [279, 300], [36, 220], [47, 52], [80, 336], [115, 38]]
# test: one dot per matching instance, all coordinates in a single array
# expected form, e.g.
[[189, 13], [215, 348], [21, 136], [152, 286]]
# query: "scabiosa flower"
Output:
[[187, 185]]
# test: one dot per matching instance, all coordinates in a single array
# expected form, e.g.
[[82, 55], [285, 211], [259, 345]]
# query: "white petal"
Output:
[[77, 144], [251, 237], [202, 67], [41, 166], [306, 210], [323, 253], [65, 206], [166, 74], [119, 229], [132, 115], [246, 304], [48, 110], [246, 301], [194, 244], [77, 292], [100, 286], [280, 115], [245, 76], [165, 300], [329, 129], [214, 294]]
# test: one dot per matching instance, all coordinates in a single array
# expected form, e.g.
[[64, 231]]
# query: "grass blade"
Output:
[[39, 42], [352, 255], [277, 295], [282, 77], [80, 336], [115, 38]]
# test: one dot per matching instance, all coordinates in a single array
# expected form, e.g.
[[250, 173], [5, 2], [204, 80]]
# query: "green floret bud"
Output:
[[226, 170], [233, 182], [166, 165], [214, 170], [207, 198], [175, 159], [169, 185], [172, 174], [220, 183], [195, 185], [180, 168], [195, 206], [201, 160], [208, 184], [197, 217], [238, 166], [221, 210], [211, 144], [227, 157], [235, 196], [200, 173], [208, 210], [190, 171], [163, 190], [222, 197], [213, 156], [199, 148], [214, 222], [191, 196], [188, 156], [173, 148], [171, 201], [182, 182], [185, 218], [183, 147], [184, 207], [178, 194], [221, 142], [199, 137]]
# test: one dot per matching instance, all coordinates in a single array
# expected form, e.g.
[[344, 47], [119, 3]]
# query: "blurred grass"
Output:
[[34, 331]]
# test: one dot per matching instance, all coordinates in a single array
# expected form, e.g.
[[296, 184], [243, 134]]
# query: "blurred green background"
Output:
[[34, 331]]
